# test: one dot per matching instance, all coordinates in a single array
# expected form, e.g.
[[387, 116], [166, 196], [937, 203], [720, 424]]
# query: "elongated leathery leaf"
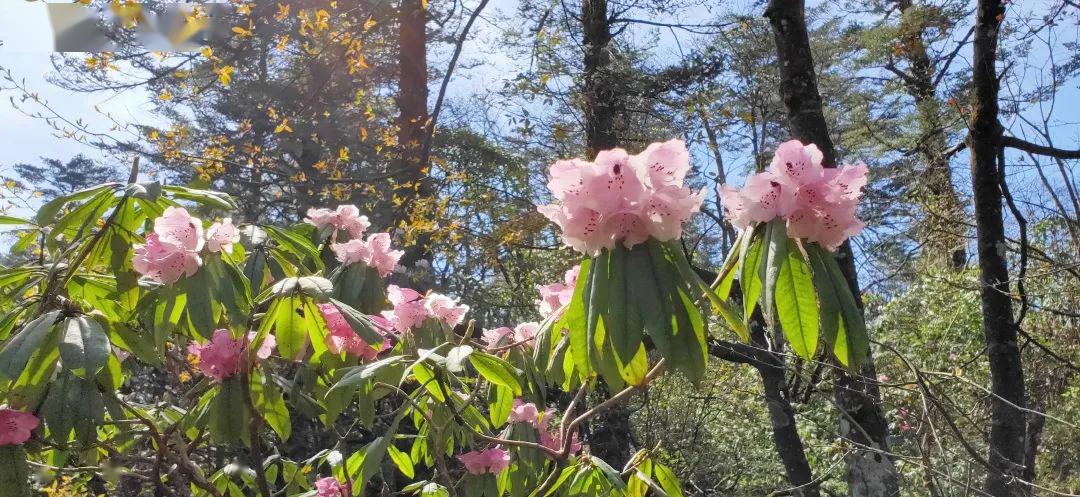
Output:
[[796, 303], [17, 351], [852, 343], [577, 321], [749, 282], [621, 322], [773, 257]]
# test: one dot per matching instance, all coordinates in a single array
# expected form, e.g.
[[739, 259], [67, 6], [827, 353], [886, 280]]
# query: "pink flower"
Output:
[[331, 487], [382, 258], [222, 235], [493, 337], [15, 426], [662, 164], [164, 262], [445, 309], [622, 198], [172, 249], [409, 310], [556, 295], [819, 204], [375, 253], [550, 437], [220, 357], [176, 227], [492, 461], [353, 251], [797, 162], [524, 412], [525, 333], [265, 348], [342, 338], [346, 218]]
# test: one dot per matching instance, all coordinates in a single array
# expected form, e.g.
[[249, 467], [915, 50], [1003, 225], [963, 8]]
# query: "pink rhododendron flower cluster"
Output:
[[342, 338], [221, 236], [818, 203], [523, 412], [15, 426], [345, 218], [523, 334], [374, 252], [527, 412], [411, 309], [620, 197], [172, 250], [549, 434], [331, 487], [492, 461], [221, 357], [556, 295]]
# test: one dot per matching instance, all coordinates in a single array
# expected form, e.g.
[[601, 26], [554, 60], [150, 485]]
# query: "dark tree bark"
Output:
[[871, 472], [1007, 420], [610, 433], [601, 101], [412, 121]]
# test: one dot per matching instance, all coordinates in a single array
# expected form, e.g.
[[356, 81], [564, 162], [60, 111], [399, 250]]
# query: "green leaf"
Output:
[[455, 359], [316, 286], [828, 301], [229, 412], [796, 303], [206, 197], [749, 282], [613, 477], [17, 351], [199, 304], [667, 480], [289, 329], [84, 347], [298, 246], [46, 215], [852, 343], [401, 460], [359, 322], [645, 295], [596, 303], [496, 370], [12, 220], [774, 256], [622, 322], [14, 472], [577, 321], [270, 404]]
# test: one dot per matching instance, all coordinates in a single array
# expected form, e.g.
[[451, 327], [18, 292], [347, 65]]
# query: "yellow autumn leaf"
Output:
[[363, 134], [283, 127], [370, 23], [165, 96], [224, 74], [282, 12], [343, 154], [241, 31]]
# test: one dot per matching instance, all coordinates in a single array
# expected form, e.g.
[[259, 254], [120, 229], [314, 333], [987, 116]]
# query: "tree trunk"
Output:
[[601, 102], [1007, 421], [871, 472], [934, 191], [412, 124], [610, 437]]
